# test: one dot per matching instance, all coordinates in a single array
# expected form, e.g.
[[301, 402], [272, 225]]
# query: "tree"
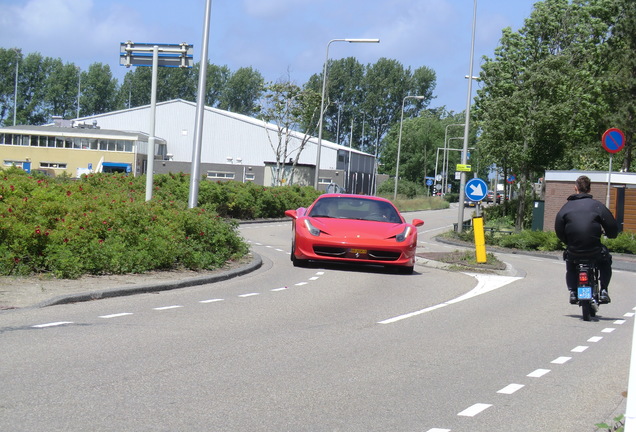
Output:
[[541, 98], [244, 89], [33, 72], [370, 98], [622, 82], [283, 105], [217, 78], [421, 137], [62, 86], [99, 94], [9, 58]]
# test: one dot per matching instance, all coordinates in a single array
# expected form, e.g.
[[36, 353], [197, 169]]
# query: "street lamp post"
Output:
[[15, 94], [462, 183], [374, 188], [322, 99], [79, 89], [397, 162], [445, 156]]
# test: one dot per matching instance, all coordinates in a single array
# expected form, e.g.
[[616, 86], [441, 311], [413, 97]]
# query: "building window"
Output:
[[250, 176], [57, 165], [220, 175], [9, 162], [324, 180]]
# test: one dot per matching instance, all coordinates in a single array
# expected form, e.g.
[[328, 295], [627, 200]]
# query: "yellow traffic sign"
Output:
[[462, 167]]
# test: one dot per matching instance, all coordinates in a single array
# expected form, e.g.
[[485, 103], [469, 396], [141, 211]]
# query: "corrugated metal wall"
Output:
[[227, 137]]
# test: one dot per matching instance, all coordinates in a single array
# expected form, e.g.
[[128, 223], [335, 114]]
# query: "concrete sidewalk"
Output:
[[40, 291]]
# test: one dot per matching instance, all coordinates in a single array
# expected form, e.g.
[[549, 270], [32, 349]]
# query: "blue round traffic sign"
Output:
[[476, 189], [613, 140]]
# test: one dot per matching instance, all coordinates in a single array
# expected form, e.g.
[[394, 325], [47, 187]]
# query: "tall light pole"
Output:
[[445, 156], [397, 162], [15, 94], [462, 183], [374, 189], [193, 196], [79, 89], [322, 99]]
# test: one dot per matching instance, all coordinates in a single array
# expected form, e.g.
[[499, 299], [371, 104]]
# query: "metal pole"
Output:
[[609, 182], [349, 165], [462, 184], [397, 162], [79, 89], [320, 119], [193, 198], [445, 156], [15, 94], [322, 99], [150, 165]]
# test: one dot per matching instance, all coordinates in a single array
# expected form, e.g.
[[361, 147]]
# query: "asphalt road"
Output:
[[324, 348]]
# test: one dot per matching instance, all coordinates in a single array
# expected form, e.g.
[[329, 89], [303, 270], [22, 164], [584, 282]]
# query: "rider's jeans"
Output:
[[604, 265]]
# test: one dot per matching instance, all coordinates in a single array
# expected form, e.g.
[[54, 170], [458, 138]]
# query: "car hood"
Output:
[[348, 228]]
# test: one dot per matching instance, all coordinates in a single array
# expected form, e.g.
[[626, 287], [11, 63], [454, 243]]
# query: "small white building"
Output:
[[238, 147]]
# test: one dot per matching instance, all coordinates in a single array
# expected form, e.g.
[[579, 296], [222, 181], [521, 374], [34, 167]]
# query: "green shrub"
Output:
[[102, 224], [530, 240], [405, 188], [624, 243]]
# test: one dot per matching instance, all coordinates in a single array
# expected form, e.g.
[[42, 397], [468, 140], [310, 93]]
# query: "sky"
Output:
[[282, 39]]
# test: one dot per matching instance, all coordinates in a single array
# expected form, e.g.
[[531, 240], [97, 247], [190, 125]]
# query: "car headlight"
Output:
[[312, 229], [404, 234]]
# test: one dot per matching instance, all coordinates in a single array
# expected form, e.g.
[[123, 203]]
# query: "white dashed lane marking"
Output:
[[53, 324], [538, 373], [162, 308], [510, 388], [472, 411], [116, 315]]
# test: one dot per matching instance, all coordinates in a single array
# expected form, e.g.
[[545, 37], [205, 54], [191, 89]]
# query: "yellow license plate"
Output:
[[360, 251]]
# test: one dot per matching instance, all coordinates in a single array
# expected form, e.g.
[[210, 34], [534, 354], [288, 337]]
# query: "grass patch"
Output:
[[466, 261], [419, 203]]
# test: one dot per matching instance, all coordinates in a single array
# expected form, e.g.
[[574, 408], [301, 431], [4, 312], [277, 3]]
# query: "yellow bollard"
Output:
[[480, 239]]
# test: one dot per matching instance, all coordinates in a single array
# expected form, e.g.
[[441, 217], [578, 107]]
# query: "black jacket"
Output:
[[581, 222]]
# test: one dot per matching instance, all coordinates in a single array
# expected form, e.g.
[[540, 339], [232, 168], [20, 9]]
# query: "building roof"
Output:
[[234, 116], [78, 132], [626, 178]]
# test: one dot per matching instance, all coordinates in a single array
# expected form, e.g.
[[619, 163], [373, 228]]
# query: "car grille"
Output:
[[338, 252]]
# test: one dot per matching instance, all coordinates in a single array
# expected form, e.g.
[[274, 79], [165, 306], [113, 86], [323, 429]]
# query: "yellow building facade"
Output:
[[76, 150]]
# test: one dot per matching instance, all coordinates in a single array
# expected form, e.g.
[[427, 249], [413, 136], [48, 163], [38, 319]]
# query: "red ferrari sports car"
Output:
[[354, 228]]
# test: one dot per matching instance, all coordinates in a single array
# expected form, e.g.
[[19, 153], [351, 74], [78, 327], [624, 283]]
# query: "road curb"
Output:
[[253, 265]]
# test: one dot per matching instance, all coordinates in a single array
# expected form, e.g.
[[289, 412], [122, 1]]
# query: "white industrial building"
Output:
[[241, 148]]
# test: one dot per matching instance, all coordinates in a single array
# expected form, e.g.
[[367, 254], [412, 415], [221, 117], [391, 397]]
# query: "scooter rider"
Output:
[[580, 224]]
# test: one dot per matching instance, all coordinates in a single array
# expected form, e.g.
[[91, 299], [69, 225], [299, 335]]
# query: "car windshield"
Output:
[[355, 208]]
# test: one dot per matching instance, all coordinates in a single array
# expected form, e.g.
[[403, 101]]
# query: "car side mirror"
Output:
[[418, 222], [291, 213]]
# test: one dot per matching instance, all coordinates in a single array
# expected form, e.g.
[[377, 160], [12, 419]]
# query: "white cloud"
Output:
[[73, 30]]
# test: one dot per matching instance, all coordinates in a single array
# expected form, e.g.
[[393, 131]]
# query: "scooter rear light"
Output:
[[583, 277]]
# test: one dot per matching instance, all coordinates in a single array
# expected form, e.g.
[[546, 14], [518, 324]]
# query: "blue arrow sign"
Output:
[[476, 189]]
